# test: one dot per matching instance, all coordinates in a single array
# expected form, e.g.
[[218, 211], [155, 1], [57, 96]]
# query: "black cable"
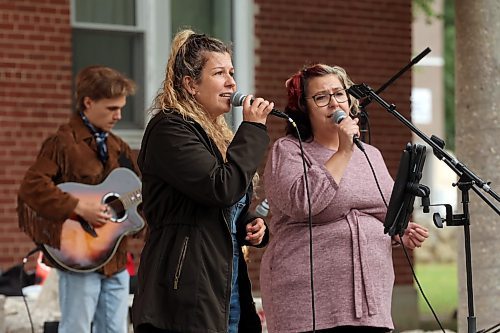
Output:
[[404, 250], [419, 286], [368, 129], [25, 260], [489, 329], [364, 126], [311, 265], [375, 177], [309, 214]]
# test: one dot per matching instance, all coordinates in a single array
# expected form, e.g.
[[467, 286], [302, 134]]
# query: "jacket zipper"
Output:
[[182, 256]]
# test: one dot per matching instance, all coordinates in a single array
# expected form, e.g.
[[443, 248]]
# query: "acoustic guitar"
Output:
[[85, 248]]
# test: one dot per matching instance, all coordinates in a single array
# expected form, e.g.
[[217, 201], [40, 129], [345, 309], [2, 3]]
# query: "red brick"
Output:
[[371, 39]]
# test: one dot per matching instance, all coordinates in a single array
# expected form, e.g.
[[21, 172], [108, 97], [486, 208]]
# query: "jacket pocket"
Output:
[[180, 262]]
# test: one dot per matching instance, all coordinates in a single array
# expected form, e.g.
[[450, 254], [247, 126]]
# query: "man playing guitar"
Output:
[[83, 151]]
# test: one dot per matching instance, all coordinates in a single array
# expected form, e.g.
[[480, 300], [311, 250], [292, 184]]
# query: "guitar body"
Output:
[[86, 249]]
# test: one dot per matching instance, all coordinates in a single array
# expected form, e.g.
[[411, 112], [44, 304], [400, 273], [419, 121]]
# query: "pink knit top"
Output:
[[353, 271]]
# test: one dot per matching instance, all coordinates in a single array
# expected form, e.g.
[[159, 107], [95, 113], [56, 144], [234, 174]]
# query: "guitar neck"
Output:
[[131, 198]]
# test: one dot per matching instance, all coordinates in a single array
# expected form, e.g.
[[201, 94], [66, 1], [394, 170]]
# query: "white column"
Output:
[[243, 51]]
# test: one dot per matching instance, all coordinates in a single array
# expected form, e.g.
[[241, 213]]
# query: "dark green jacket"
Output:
[[186, 264]]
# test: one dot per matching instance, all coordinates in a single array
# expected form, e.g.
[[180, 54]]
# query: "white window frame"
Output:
[[153, 20], [243, 51]]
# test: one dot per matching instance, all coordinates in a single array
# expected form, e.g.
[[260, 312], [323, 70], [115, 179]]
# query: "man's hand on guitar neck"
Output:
[[93, 212]]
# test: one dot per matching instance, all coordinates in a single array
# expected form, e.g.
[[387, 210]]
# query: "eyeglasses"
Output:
[[323, 99]]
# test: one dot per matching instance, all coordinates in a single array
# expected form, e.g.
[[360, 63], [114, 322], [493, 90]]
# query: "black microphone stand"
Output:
[[467, 180], [363, 114]]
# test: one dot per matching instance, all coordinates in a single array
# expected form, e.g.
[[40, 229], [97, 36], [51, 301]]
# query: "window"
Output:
[[211, 17], [107, 33], [133, 36]]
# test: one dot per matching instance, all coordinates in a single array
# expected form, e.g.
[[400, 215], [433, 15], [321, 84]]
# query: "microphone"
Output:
[[262, 209], [340, 115], [237, 99]]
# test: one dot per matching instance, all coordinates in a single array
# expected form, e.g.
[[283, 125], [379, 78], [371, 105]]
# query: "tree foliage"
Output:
[[425, 6]]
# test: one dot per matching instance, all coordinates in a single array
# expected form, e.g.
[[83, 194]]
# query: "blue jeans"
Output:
[[89, 299], [234, 305]]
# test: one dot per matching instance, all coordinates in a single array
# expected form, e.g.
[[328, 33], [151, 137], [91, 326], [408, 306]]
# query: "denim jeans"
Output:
[[92, 299], [234, 305]]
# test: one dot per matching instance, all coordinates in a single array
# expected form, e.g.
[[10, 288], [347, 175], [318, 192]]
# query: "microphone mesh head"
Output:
[[237, 98], [338, 116]]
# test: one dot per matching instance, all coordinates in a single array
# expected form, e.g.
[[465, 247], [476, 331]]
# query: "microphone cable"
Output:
[[311, 262], [309, 219], [400, 242], [309, 215], [364, 125], [237, 100], [24, 261], [490, 329]]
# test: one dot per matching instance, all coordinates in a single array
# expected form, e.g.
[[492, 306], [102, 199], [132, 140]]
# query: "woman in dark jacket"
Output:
[[197, 186]]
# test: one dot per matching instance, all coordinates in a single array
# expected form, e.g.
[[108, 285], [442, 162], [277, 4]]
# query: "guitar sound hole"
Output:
[[118, 212]]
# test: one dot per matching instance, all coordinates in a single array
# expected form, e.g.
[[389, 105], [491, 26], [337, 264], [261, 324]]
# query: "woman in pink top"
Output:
[[353, 271]]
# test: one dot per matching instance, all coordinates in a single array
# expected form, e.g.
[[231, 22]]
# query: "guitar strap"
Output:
[[125, 162]]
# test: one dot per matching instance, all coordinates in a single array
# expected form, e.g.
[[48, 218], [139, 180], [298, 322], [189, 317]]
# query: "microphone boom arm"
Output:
[[467, 180], [362, 90], [415, 60], [363, 114]]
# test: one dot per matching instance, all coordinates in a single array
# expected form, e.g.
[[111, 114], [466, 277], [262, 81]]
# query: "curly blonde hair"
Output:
[[187, 58]]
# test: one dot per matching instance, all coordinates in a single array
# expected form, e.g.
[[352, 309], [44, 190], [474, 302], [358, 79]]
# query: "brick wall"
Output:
[[370, 39], [35, 97]]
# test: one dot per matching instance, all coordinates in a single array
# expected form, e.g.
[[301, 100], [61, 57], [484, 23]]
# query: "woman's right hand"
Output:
[[94, 212], [257, 111], [347, 128]]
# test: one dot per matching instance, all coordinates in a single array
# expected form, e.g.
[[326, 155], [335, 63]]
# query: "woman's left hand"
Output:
[[255, 231], [414, 235]]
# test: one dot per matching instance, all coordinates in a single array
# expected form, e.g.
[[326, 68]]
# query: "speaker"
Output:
[[50, 326]]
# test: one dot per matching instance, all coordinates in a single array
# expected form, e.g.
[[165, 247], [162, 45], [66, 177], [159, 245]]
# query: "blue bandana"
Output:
[[100, 138]]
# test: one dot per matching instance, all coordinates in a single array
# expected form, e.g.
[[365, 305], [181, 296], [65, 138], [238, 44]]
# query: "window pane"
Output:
[[105, 11], [112, 49], [212, 17]]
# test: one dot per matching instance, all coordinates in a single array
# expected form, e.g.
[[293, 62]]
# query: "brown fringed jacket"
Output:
[[70, 155]]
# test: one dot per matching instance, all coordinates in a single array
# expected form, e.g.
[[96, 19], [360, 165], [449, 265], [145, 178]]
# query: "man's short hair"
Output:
[[98, 82]]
